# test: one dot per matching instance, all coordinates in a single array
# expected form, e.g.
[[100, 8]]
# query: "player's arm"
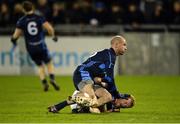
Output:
[[112, 87], [109, 78], [98, 80], [50, 30], [17, 33]]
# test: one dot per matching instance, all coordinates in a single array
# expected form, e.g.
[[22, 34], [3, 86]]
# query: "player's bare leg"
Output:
[[86, 96], [103, 97], [50, 68], [81, 99], [42, 75], [56, 108], [88, 88], [84, 100]]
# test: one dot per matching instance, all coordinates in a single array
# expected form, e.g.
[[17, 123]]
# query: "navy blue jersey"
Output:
[[101, 64], [31, 25]]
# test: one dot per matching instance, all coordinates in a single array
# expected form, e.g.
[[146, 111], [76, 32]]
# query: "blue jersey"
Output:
[[31, 25], [101, 64]]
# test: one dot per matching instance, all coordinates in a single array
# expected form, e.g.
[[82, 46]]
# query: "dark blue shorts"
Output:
[[40, 56], [80, 76], [76, 79]]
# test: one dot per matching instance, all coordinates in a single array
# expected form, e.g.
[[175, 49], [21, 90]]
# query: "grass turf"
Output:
[[22, 100]]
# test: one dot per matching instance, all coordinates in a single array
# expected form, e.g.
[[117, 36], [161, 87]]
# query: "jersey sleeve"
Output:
[[109, 77], [19, 24], [111, 86]]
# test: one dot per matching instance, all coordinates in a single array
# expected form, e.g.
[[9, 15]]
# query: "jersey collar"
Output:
[[112, 51]]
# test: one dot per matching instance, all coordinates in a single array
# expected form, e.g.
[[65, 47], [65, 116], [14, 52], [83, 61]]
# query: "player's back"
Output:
[[91, 68], [32, 26]]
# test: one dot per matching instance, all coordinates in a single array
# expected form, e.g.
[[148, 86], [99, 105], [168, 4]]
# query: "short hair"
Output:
[[115, 38], [133, 101], [27, 6], [128, 96]]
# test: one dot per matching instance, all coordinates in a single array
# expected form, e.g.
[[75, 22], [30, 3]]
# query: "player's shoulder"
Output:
[[104, 51], [21, 21], [22, 18]]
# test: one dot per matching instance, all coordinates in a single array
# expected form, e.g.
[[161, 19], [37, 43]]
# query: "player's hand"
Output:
[[97, 80], [55, 38], [14, 41], [104, 84]]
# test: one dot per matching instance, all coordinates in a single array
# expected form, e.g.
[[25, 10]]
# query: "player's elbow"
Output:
[[50, 31], [49, 28]]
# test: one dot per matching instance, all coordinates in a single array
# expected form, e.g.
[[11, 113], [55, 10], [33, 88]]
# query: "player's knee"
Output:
[[50, 67], [88, 88]]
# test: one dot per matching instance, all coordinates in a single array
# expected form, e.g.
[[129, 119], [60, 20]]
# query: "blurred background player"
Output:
[[31, 25]]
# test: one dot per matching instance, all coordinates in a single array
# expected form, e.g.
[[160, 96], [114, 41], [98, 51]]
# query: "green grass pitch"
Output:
[[22, 101]]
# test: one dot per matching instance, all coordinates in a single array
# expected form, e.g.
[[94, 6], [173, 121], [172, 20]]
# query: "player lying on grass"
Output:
[[84, 104], [83, 99], [125, 101], [101, 65]]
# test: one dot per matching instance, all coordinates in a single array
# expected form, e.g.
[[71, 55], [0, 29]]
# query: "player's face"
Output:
[[121, 47], [126, 103]]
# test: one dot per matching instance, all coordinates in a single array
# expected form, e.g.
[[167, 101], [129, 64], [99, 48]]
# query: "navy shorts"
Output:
[[81, 78], [40, 56]]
